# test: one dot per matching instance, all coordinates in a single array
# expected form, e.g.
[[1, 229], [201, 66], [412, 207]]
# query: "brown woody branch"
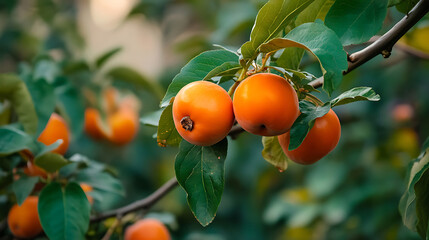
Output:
[[383, 45], [144, 203]]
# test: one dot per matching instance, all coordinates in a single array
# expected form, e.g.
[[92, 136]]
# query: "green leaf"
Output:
[[14, 140], [227, 68], [73, 67], [100, 180], [101, 60], [14, 89], [200, 172], [354, 95], [42, 93], [273, 17], [130, 75], [197, 69], [408, 206], [23, 187], [152, 118], [305, 121], [291, 57], [356, 21], [71, 105], [327, 49], [47, 69], [167, 133], [51, 162], [64, 212], [422, 206], [405, 6], [273, 153]]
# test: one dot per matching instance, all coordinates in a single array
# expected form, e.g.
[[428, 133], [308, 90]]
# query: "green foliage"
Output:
[[328, 50], [100, 180], [291, 57], [51, 162], [200, 171], [129, 75], [23, 187], [413, 205], [64, 211], [405, 6], [273, 17], [14, 89], [273, 153], [105, 57], [354, 95], [198, 69], [13, 140], [167, 133], [303, 124], [363, 20]]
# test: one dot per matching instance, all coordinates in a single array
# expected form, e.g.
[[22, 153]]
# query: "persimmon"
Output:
[[24, 220], [203, 113], [320, 140], [147, 229], [55, 129], [124, 125], [94, 125], [265, 104], [87, 189]]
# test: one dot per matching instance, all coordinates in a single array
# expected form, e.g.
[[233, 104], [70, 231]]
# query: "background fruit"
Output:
[[56, 129], [124, 125], [321, 139], [24, 220], [209, 108], [147, 229], [93, 124], [87, 189], [265, 104]]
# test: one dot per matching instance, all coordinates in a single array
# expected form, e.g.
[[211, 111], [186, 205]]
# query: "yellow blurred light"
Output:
[[108, 14]]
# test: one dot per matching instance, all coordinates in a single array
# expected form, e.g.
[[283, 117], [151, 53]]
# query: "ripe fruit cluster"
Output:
[[264, 104], [121, 124]]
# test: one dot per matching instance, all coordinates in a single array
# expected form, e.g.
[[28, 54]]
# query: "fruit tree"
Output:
[[266, 119]]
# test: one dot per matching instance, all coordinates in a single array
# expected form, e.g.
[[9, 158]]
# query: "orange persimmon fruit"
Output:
[[203, 113]]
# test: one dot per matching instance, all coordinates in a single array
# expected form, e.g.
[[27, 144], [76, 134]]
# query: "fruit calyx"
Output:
[[187, 123]]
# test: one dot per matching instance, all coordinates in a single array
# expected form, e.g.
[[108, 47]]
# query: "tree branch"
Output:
[[144, 203], [383, 45]]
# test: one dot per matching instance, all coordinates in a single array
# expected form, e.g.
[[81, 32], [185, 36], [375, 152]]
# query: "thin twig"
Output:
[[385, 43], [144, 203]]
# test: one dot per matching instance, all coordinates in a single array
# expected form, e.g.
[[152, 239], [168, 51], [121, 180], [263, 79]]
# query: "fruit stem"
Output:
[[264, 61], [314, 99], [187, 123], [240, 78]]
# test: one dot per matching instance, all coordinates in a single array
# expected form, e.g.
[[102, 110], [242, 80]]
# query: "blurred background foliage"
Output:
[[351, 194]]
